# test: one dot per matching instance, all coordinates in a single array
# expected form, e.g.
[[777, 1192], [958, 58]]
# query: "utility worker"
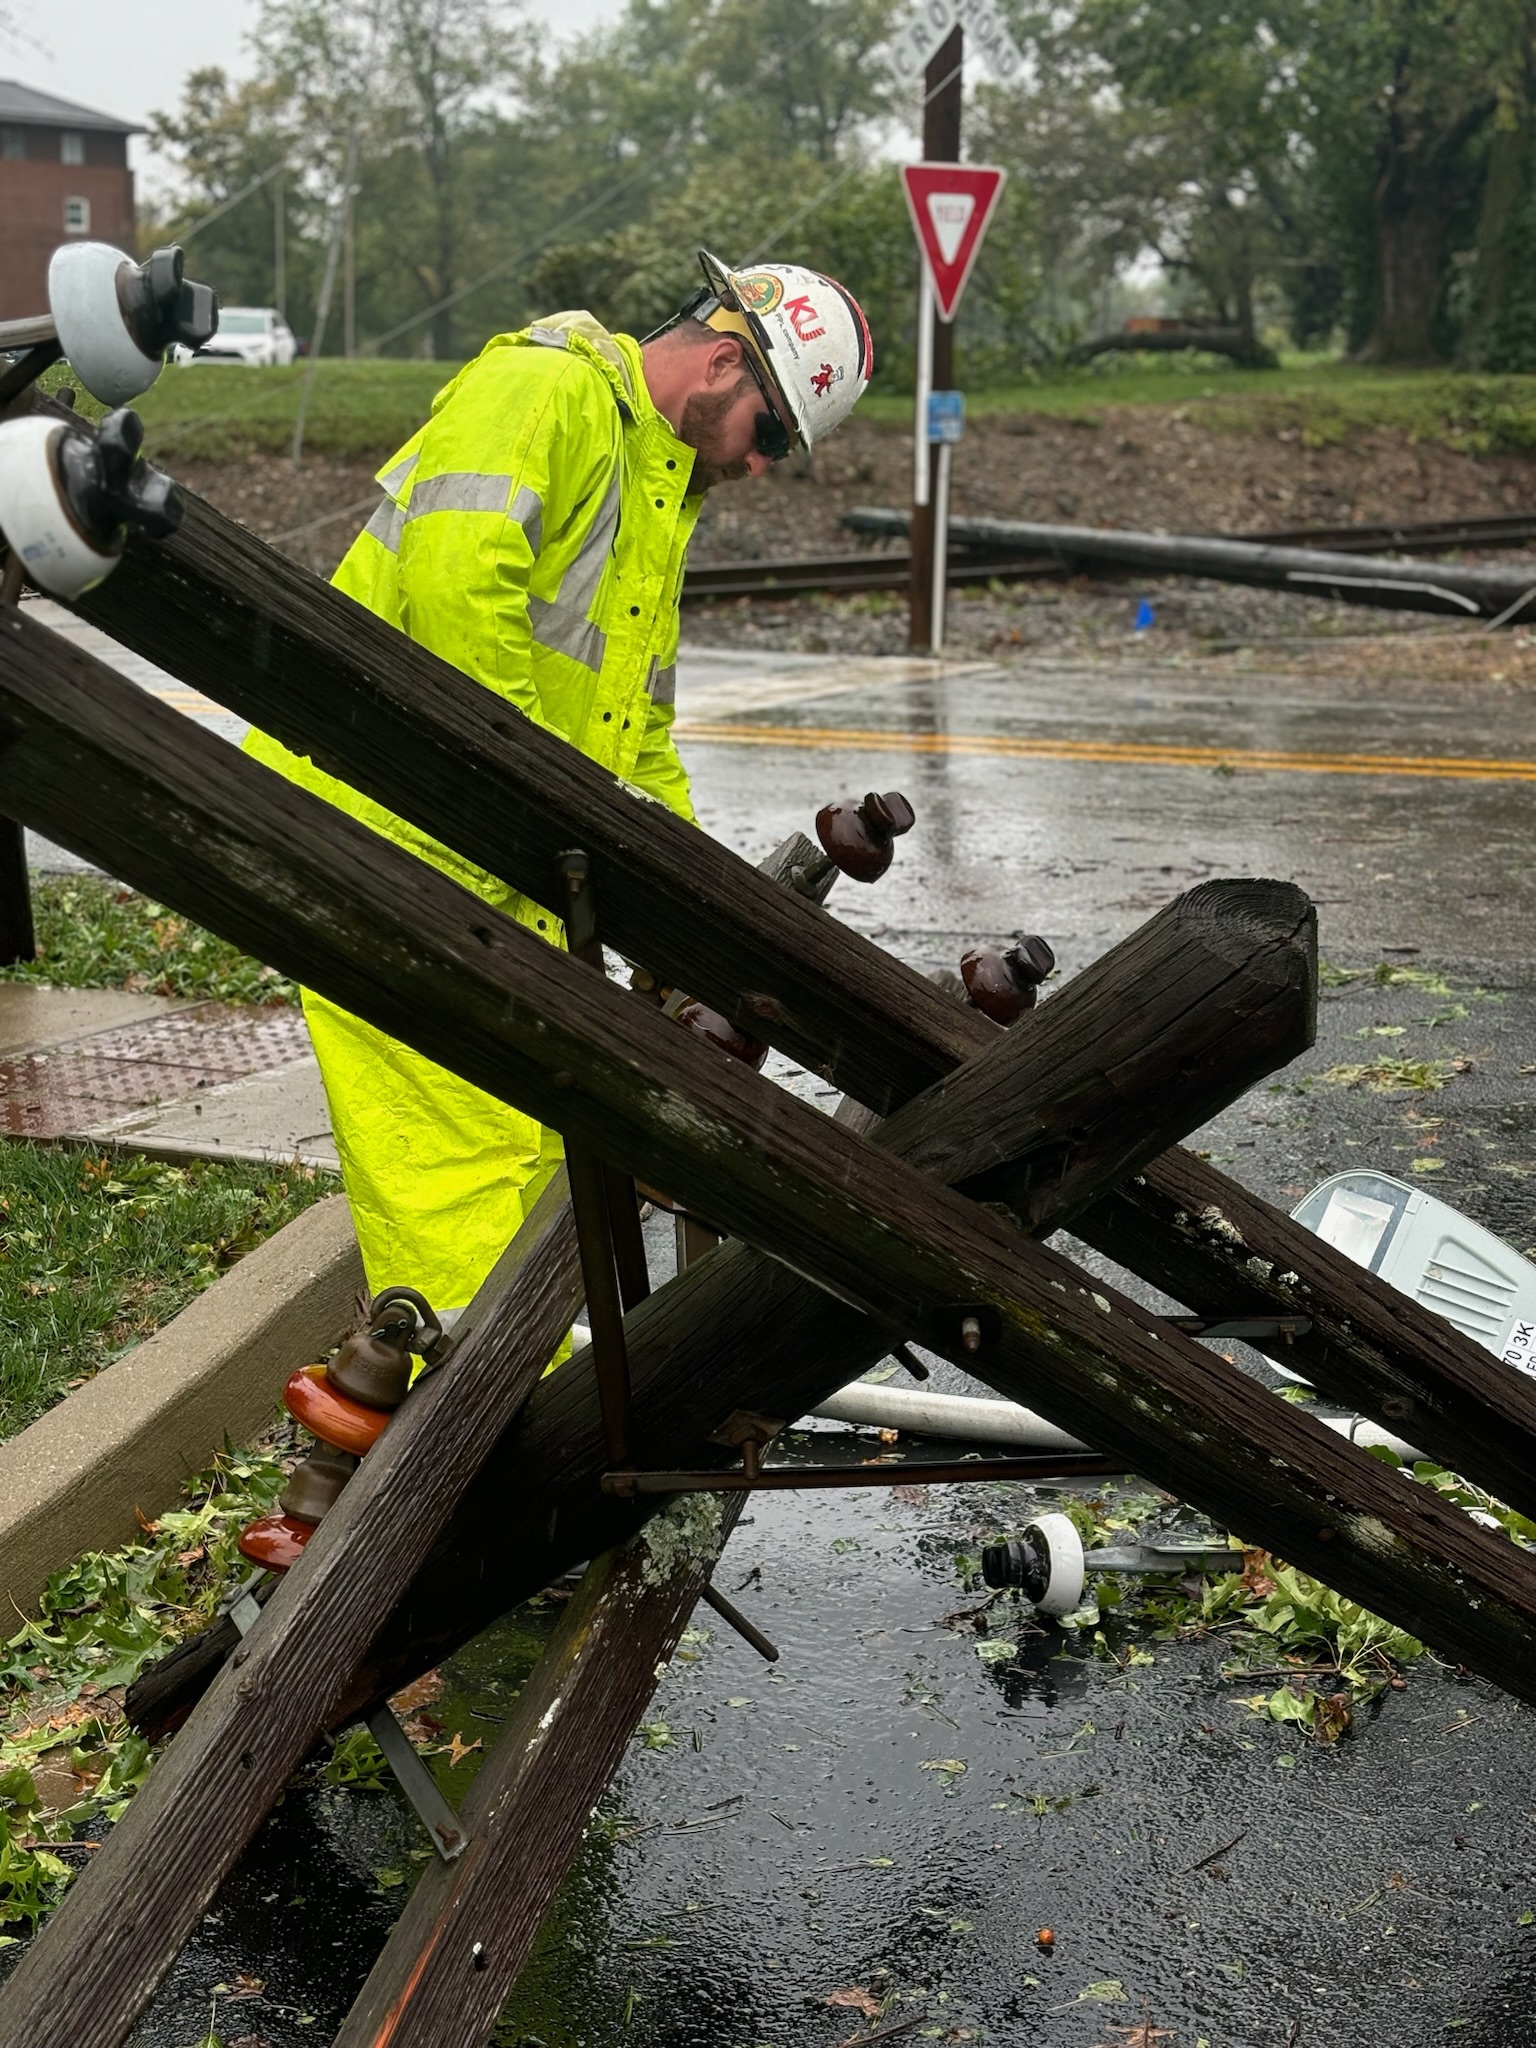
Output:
[[533, 534]]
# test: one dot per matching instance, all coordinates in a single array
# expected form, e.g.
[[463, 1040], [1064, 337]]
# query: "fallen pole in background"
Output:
[[1504, 596]]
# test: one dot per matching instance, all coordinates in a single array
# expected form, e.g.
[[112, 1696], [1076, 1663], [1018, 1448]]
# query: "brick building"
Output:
[[63, 173]]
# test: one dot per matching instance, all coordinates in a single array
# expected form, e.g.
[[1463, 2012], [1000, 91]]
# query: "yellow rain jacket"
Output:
[[533, 534]]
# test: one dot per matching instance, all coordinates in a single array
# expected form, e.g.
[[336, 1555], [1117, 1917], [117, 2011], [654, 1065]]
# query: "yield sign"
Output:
[[950, 205]]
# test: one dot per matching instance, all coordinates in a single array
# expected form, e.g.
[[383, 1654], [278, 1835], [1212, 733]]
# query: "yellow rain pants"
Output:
[[533, 534]]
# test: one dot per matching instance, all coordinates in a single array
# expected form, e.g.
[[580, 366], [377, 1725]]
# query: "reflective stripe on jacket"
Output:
[[533, 533]]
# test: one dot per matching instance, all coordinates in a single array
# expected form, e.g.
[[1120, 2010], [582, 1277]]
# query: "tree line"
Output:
[[1359, 177]]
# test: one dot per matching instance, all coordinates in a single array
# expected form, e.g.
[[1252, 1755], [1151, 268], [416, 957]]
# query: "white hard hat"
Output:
[[807, 334]]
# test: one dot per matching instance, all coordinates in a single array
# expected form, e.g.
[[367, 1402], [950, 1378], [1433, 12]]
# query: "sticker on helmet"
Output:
[[805, 319], [824, 378], [759, 291]]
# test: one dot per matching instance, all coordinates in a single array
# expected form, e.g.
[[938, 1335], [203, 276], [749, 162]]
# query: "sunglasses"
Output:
[[770, 435]]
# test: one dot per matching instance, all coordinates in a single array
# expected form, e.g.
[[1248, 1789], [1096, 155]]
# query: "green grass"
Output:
[[67, 1756], [218, 413], [96, 934], [98, 1250]]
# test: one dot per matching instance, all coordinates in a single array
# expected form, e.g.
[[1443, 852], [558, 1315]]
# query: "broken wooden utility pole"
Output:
[[1103, 1064], [396, 710], [226, 614], [373, 928]]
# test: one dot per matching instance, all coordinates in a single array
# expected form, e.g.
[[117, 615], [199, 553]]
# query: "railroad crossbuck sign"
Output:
[[928, 27], [950, 205]]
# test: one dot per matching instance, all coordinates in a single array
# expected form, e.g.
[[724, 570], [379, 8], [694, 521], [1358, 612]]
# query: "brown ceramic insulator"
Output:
[[859, 837], [332, 1416], [1001, 984], [704, 1022], [276, 1541], [315, 1484], [374, 1366]]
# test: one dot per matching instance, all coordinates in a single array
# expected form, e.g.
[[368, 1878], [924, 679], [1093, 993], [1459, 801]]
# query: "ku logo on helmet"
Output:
[[805, 320]]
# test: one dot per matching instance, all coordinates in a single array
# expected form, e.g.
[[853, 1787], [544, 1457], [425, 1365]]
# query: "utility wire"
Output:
[[507, 263], [234, 200], [510, 263]]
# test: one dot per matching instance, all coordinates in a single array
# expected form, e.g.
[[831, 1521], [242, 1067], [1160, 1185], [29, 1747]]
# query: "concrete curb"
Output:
[[126, 1441]]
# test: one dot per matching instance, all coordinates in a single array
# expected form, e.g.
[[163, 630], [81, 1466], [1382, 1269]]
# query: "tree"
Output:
[[228, 139], [1408, 93], [1154, 128], [414, 81]]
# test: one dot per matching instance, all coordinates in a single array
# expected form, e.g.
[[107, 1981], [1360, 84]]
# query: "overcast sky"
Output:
[[128, 57]]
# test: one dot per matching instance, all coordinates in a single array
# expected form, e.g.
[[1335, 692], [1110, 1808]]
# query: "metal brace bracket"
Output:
[[442, 1823]]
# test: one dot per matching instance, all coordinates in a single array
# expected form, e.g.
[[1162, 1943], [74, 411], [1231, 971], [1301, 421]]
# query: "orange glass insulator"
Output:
[[331, 1415], [276, 1541]]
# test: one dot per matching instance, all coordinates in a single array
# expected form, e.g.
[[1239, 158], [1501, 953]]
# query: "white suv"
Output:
[[254, 335]]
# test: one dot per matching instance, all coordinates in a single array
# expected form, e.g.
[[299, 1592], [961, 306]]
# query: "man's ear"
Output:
[[723, 364]]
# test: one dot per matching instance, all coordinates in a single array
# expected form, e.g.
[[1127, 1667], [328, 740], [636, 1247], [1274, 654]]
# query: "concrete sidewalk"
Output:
[[177, 1079]]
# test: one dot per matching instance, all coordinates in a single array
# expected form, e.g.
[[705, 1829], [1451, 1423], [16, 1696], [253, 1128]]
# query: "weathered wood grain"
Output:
[[377, 930], [453, 1955], [1222, 981]]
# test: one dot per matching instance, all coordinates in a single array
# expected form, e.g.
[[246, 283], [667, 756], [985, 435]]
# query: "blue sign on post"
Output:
[[946, 415]]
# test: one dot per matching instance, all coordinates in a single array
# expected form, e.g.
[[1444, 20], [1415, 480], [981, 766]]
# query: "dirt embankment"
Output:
[[1134, 466], [1130, 467]]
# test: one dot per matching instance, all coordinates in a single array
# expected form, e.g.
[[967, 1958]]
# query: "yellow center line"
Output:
[[1150, 754]]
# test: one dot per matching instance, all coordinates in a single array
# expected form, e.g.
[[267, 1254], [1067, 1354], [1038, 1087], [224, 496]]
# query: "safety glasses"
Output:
[[770, 435]]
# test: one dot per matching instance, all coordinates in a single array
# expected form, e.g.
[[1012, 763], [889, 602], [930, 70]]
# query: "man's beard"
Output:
[[700, 427]]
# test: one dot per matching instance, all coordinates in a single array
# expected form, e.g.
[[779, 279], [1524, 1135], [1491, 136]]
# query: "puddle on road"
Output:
[[885, 1813]]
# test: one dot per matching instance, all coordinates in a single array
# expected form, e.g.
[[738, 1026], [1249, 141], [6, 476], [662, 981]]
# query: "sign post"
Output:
[[943, 53], [946, 423], [951, 205]]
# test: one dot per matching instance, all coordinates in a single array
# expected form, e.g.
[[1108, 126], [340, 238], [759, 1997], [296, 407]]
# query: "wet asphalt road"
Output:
[[1209, 1875]]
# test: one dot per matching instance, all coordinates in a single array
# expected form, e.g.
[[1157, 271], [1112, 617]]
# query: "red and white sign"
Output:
[[950, 205]]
